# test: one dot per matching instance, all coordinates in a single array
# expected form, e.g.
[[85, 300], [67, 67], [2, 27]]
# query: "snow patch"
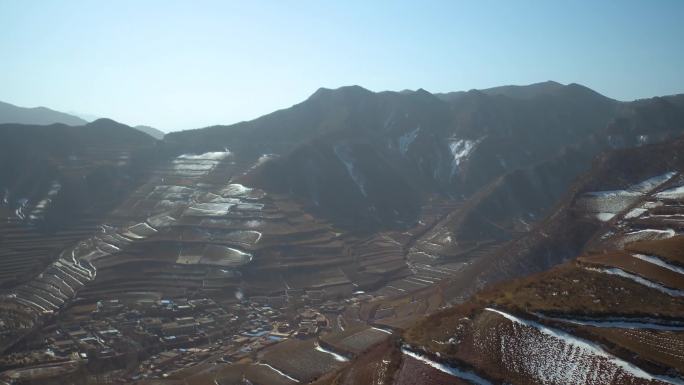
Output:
[[450, 370], [605, 217], [635, 213], [651, 183], [660, 262], [673, 193], [405, 140], [460, 150], [198, 164], [669, 233], [345, 156], [279, 372], [43, 204], [381, 330], [337, 357], [208, 209], [645, 234], [582, 355], [639, 280], [215, 155], [606, 204], [235, 189]]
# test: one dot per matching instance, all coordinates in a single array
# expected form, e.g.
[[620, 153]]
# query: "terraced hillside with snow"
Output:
[[615, 315], [58, 183], [348, 232]]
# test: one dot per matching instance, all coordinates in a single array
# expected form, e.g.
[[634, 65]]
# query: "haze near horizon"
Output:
[[182, 65]]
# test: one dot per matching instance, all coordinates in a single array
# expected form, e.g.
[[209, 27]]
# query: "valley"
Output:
[[354, 238]]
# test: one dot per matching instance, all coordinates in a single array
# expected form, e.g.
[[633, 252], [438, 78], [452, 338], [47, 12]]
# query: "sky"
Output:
[[178, 65]]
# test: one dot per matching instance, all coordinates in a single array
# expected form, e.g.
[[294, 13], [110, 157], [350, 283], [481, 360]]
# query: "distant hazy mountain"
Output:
[[84, 116], [10, 113], [151, 131], [41, 116]]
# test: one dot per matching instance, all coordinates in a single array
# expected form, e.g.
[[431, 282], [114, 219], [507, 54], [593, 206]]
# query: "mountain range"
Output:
[[10, 113], [511, 235]]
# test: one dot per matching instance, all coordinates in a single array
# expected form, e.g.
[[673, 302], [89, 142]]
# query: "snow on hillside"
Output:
[[555, 357]]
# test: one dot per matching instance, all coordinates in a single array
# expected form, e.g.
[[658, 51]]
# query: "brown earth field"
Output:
[[671, 249], [623, 318]]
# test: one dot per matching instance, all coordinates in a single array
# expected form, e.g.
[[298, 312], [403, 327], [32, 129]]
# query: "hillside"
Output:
[[323, 233], [354, 146], [151, 131], [58, 182], [611, 316]]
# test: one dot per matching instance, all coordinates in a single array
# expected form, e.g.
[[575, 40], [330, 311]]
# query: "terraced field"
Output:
[[615, 315], [193, 230]]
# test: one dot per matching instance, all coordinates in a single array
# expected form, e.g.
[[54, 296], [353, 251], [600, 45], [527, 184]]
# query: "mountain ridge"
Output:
[[10, 113], [396, 124]]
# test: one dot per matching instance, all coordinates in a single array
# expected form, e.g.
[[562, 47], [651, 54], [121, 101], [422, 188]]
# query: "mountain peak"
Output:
[[344, 90], [580, 89], [104, 122]]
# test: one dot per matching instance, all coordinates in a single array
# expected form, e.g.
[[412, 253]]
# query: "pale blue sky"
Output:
[[187, 64]]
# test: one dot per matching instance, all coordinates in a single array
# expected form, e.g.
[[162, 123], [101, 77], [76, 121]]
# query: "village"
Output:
[[153, 338]]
